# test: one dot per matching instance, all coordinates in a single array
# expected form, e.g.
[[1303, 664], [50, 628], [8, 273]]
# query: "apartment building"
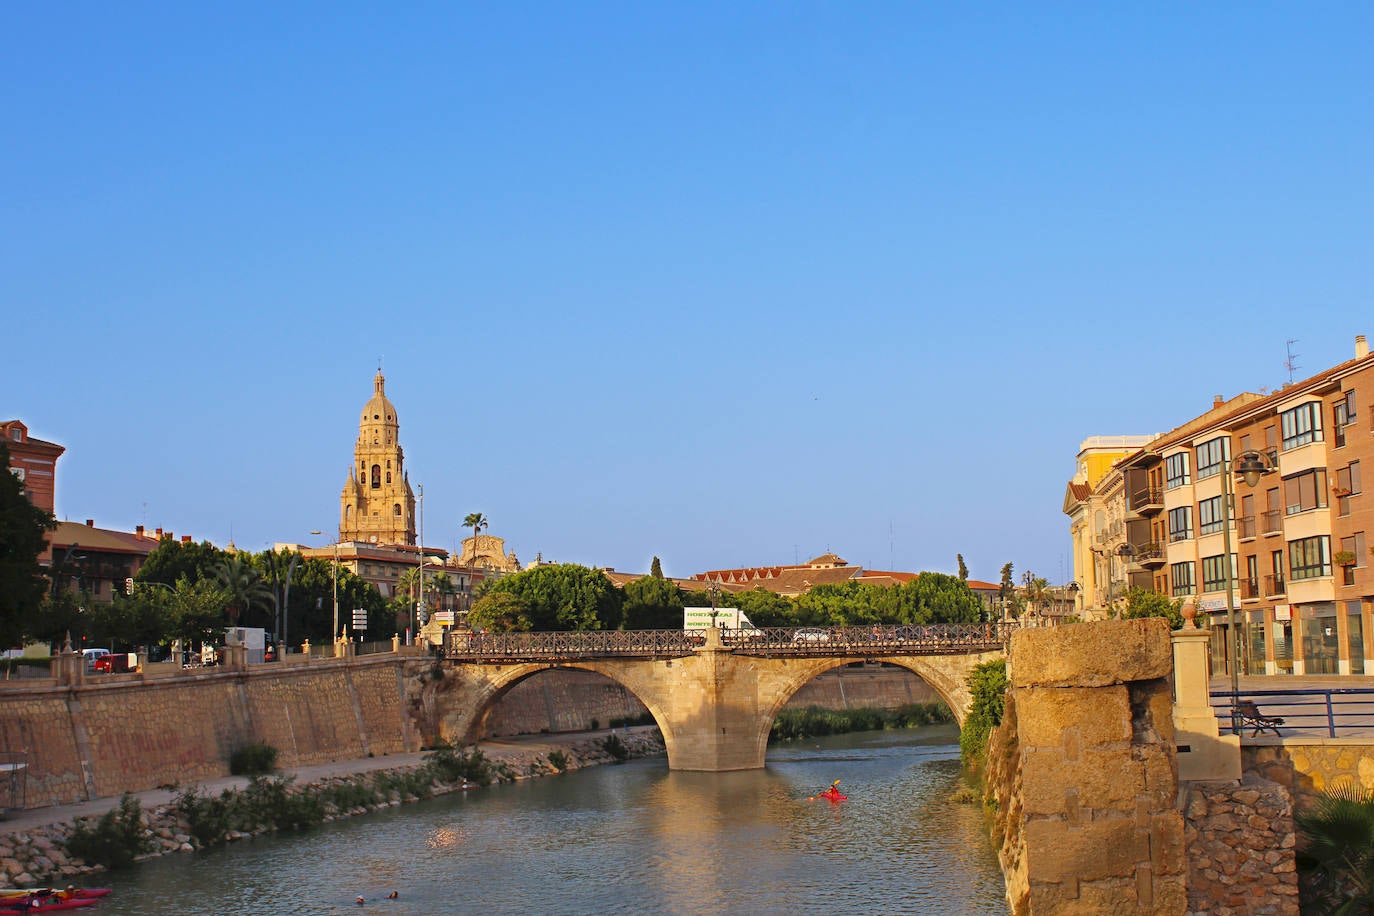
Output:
[[1301, 575]]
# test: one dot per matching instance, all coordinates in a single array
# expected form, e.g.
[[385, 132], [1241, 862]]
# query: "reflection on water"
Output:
[[630, 839]]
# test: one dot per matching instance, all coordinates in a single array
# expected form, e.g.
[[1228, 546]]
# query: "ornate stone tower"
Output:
[[377, 505]]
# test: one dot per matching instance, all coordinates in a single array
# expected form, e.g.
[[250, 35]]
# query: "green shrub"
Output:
[[451, 765], [208, 818], [1336, 858], [256, 759], [268, 803], [115, 840], [558, 760], [813, 721], [988, 684], [612, 745]]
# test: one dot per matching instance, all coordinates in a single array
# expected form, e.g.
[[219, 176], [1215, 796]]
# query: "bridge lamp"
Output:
[[1250, 466], [1125, 552]]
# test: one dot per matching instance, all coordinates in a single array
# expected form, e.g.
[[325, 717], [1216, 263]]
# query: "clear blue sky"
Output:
[[727, 283]]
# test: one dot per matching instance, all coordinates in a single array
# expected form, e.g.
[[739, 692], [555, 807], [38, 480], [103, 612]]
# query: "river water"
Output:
[[636, 838]]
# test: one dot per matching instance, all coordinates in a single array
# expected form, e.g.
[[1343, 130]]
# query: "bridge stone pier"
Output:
[[714, 703]]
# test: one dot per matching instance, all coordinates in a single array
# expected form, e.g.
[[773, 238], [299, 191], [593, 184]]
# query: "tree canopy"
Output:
[[563, 596], [22, 529]]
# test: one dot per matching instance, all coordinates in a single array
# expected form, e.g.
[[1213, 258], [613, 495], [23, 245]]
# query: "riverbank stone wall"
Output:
[[1083, 772], [1241, 840]]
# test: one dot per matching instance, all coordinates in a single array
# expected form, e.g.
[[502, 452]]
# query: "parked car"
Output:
[[92, 655], [811, 635]]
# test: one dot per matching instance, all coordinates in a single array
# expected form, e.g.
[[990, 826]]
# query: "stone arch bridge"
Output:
[[714, 693]]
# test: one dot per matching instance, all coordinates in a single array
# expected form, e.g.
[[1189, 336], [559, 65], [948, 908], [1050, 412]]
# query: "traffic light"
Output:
[[128, 586]]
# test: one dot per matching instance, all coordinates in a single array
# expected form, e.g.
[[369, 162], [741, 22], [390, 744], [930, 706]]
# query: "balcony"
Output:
[[1147, 500], [1271, 522], [1250, 590], [1149, 554], [1274, 585], [1246, 525]]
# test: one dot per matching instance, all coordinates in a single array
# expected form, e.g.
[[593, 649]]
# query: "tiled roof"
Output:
[[88, 537]]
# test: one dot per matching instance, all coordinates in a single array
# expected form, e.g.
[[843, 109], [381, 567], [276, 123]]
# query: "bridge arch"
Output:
[[714, 699]]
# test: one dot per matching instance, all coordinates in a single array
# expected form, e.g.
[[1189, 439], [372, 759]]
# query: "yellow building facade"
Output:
[[377, 505]]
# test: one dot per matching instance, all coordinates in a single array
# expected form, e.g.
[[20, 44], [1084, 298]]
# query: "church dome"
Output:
[[379, 409]]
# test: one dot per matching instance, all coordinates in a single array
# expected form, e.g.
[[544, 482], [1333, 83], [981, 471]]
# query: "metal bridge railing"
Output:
[[866, 642], [1332, 712]]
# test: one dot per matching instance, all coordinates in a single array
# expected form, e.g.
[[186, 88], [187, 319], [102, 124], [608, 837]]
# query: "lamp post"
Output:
[[1251, 466], [1125, 552], [421, 602], [334, 633]]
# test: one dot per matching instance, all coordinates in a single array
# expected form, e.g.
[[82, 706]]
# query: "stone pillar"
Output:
[[305, 651], [1203, 752], [69, 666], [235, 656], [1095, 828]]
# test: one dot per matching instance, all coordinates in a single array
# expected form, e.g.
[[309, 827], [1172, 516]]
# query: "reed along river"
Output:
[[635, 838]]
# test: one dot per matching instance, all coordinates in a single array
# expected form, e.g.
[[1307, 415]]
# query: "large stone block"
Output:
[[1100, 781], [1072, 718], [1094, 851], [1092, 654]]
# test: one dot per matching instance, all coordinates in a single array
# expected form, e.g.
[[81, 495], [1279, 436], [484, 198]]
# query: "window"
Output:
[[1304, 491], [1347, 484], [1214, 573], [1176, 471], [1309, 557], [1301, 425], [1211, 455], [396, 509], [1182, 575], [1354, 546], [388, 477], [1180, 523], [1209, 516], [376, 476], [1342, 413]]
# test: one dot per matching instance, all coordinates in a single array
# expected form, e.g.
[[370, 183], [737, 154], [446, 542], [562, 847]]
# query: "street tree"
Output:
[[246, 588], [963, 570], [173, 560], [656, 569], [1144, 602], [565, 596], [23, 527], [652, 603], [500, 612]]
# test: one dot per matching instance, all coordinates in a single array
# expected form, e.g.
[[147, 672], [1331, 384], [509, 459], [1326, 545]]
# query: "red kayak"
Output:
[[833, 794], [22, 905], [62, 893]]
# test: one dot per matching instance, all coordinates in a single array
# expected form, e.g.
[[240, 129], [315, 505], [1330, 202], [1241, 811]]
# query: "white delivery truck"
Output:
[[730, 618], [254, 639]]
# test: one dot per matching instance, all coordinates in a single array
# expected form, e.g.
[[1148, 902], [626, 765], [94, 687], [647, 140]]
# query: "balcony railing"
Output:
[[1274, 585], [1247, 526], [1271, 521], [1147, 498], [1249, 589], [1150, 553]]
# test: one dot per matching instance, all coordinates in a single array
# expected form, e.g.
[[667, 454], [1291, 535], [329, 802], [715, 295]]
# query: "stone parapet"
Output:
[[1307, 767]]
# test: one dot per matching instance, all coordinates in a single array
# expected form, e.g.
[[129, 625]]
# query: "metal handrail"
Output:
[[867, 642], [1332, 710]]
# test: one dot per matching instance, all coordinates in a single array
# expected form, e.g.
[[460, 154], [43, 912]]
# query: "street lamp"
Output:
[[1125, 552], [1250, 466], [334, 634]]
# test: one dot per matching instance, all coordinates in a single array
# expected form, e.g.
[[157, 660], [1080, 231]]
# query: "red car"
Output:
[[116, 662]]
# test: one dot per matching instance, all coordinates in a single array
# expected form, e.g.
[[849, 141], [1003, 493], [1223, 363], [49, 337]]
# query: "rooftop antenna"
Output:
[[1290, 364]]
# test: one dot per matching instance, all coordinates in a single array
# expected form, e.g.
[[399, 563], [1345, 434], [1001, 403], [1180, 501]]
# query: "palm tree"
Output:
[[245, 586], [476, 521], [1337, 859]]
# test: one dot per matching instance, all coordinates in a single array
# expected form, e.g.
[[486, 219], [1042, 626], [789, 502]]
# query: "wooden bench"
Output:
[[1251, 717]]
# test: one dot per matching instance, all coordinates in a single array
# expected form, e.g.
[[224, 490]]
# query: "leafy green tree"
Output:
[[22, 529], [1007, 593], [279, 569], [1143, 602], [941, 598], [195, 611], [61, 613], [246, 588], [963, 570], [656, 569], [762, 607], [652, 603], [500, 612], [1336, 860], [565, 596], [173, 560]]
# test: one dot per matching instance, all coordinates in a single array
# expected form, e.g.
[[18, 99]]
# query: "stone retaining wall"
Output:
[[1308, 766], [1240, 840], [125, 733]]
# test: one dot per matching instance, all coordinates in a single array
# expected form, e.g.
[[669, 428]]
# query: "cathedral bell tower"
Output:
[[377, 505]]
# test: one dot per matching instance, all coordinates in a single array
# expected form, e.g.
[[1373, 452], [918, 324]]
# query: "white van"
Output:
[[90, 655]]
